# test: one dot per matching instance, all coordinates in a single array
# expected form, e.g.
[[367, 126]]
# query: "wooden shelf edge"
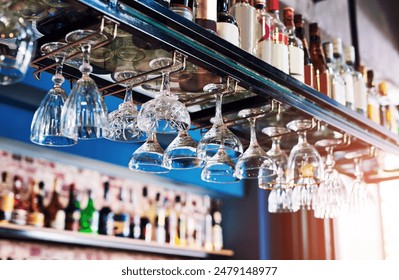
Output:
[[30, 233]]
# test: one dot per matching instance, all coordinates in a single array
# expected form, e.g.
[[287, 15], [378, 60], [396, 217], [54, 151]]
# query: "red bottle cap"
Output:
[[272, 5]]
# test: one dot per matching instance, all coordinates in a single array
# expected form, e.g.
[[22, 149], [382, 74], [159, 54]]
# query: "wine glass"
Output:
[[46, 122], [305, 168], [149, 157], [331, 195], [17, 44], [84, 115], [220, 168], [182, 153], [254, 163], [219, 135], [122, 123], [165, 113], [280, 196]]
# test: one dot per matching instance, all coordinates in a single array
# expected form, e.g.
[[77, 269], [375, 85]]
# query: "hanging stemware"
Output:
[[46, 122], [84, 115], [305, 168], [254, 163], [219, 135], [165, 113]]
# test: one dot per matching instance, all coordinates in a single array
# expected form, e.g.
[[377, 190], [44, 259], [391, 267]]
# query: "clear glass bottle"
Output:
[[217, 225], [227, 27], [89, 216], [246, 18], [72, 211], [279, 37], [359, 86], [307, 61], [35, 216], [373, 105], [135, 215], [121, 216], [295, 47], [322, 77], [55, 214], [337, 83], [6, 198], [145, 220], [183, 8], [264, 42], [106, 215], [345, 73], [208, 224], [160, 214], [20, 212], [206, 14]]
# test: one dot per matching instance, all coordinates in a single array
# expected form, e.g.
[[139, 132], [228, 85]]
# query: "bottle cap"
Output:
[[370, 78], [260, 2], [337, 43], [350, 53], [145, 191], [223, 5], [288, 16], [272, 5]]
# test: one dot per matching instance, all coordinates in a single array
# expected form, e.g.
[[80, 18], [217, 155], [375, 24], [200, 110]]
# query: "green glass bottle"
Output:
[[89, 216]]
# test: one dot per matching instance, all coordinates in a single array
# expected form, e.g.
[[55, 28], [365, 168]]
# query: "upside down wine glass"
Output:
[[280, 196], [46, 122], [254, 163], [122, 123], [84, 115], [165, 113], [305, 168]]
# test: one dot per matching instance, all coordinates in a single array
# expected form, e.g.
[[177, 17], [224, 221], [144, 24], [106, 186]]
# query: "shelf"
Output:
[[29, 233]]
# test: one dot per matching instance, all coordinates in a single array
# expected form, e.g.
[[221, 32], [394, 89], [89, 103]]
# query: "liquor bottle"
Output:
[[167, 206], [322, 78], [359, 86], [20, 212], [227, 27], [89, 216], [159, 222], [180, 206], [40, 195], [106, 215], [388, 112], [345, 73], [54, 213], [337, 83], [6, 198], [72, 211], [308, 65], [373, 105], [206, 14], [145, 222], [279, 38], [264, 42], [208, 224], [35, 216], [217, 226], [295, 47], [246, 18], [183, 8], [173, 224], [191, 221], [121, 217], [135, 215]]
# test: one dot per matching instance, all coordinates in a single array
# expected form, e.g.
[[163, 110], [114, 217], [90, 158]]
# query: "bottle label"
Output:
[[59, 220], [338, 90], [309, 75], [36, 219], [7, 202], [360, 96], [19, 217], [373, 112], [229, 32], [280, 57], [350, 96], [207, 9], [264, 50], [72, 221], [246, 18], [280, 38], [296, 60], [121, 228]]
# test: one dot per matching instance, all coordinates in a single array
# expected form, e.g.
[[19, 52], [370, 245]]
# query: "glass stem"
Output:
[[253, 141], [330, 158], [276, 144], [58, 79], [218, 114], [128, 95], [302, 137], [165, 86], [86, 68]]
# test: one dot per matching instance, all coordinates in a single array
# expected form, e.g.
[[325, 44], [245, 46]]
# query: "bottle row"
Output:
[[140, 212], [329, 67]]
